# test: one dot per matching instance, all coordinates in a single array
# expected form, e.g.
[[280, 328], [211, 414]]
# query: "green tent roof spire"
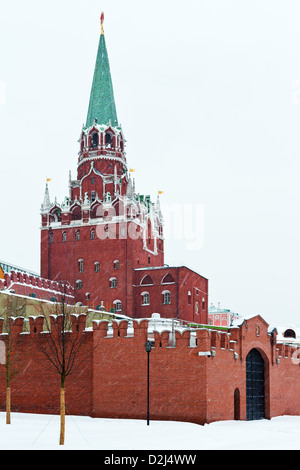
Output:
[[102, 103]]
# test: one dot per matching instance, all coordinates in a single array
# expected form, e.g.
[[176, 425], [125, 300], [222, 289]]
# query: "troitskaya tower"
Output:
[[103, 230]]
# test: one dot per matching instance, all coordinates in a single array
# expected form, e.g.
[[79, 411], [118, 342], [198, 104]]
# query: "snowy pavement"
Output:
[[41, 432]]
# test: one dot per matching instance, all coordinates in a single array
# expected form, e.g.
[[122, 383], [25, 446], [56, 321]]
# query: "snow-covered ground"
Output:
[[36, 432]]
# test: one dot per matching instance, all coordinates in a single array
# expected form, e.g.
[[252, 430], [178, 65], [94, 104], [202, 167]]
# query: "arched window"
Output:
[[118, 305], [113, 282], [108, 139], [289, 334], [95, 140], [189, 298], [79, 284], [76, 213], [92, 236], [56, 213], [146, 281], [77, 235], [236, 404], [145, 298], [80, 265], [64, 236], [197, 308], [167, 279], [203, 303], [116, 264], [166, 297], [97, 267]]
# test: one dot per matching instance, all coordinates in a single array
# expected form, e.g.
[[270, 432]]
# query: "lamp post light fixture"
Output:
[[148, 347]]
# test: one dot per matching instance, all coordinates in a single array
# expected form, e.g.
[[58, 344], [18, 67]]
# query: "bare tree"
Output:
[[64, 346], [14, 360]]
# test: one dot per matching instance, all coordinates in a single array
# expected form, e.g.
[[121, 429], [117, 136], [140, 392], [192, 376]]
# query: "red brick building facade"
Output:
[[174, 292], [105, 236]]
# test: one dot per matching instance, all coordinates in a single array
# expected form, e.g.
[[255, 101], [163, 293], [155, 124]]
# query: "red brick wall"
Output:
[[36, 388], [29, 285], [120, 377], [187, 382]]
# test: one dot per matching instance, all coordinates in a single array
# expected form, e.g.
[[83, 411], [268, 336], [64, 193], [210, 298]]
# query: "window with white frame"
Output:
[[64, 236], [118, 305], [113, 282], [97, 267], [79, 284], [145, 298], [166, 297], [116, 264], [80, 265]]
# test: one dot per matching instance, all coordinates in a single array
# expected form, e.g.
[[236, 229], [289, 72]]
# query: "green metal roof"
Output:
[[7, 268], [102, 103]]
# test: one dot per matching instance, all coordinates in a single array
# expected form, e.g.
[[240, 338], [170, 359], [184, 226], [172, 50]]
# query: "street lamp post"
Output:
[[148, 347]]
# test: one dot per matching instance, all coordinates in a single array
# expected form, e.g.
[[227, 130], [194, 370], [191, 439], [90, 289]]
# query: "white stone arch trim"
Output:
[[145, 293], [141, 283]]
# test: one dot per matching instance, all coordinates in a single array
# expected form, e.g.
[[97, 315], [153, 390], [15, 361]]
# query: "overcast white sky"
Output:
[[208, 94]]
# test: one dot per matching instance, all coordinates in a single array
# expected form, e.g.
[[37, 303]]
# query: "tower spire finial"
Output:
[[102, 21], [102, 103]]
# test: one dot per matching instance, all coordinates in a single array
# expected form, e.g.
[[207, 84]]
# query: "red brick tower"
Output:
[[103, 230]]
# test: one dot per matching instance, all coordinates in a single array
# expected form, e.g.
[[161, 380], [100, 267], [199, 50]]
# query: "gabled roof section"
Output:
[[102, 103]]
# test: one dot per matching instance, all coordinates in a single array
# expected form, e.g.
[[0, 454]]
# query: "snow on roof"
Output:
[[8, 267]]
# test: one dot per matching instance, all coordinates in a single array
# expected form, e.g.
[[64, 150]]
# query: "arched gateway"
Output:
[[255, 385]]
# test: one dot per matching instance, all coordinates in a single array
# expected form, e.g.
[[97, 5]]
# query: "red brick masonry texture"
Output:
[[193, 380]]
